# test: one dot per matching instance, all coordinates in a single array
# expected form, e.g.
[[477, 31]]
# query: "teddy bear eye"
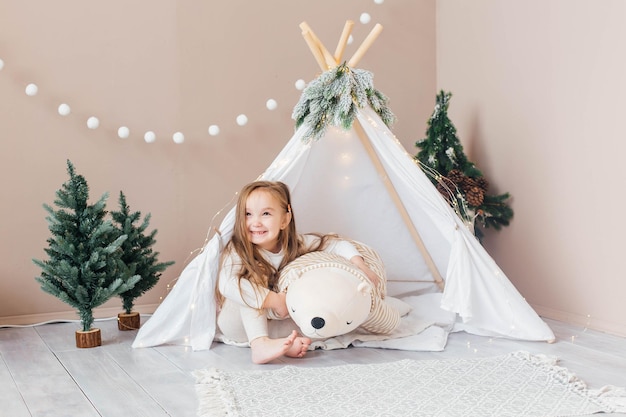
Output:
[[348, 323], [293, 310]]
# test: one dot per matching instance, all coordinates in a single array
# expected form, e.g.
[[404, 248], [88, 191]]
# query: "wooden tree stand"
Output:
[[88, 339], [128, 321]]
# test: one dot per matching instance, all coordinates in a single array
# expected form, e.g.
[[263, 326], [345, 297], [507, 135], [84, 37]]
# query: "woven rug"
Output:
[[517, 384]]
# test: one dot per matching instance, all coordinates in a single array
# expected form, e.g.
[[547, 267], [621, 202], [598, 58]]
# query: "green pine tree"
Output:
[[84, 268], [137, 252], [441, 156]]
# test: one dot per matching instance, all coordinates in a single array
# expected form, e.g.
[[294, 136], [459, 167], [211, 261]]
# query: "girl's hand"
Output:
[[277, 302], [371, 275]]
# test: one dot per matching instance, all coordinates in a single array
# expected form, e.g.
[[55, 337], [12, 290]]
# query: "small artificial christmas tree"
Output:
[[461, 183], [85, 268], [138, 256]]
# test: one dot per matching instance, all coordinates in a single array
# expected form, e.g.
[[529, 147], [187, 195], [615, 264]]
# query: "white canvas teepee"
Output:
[[361, 183]]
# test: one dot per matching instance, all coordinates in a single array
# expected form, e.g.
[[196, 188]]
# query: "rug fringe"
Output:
[[215, 400], [613, 396], [609, 397]]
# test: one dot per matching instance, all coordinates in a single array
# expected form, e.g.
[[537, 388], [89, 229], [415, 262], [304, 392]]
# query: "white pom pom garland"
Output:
[[31, 90], [149, 137], [93, 122], [123, 132], [178, 137], [214, 130], [64, 109], [271, 104], [300, 84], [242, 119]]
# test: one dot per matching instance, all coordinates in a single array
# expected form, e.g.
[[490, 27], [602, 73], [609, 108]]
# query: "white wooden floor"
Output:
[[42, 373]]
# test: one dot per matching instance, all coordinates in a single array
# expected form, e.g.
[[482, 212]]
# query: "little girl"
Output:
[[264, 241]]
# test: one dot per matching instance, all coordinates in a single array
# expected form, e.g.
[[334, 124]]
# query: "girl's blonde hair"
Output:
[[255, 268]]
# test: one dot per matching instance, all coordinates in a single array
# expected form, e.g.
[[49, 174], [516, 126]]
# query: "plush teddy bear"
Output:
[[328, 296]]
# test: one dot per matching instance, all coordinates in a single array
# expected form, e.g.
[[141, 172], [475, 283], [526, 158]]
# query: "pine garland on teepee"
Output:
[[334, 97], [85, 268], [137, 252], [458, 179]]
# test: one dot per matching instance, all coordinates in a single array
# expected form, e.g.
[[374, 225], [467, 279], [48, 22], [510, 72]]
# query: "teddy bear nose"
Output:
[[317, 322]]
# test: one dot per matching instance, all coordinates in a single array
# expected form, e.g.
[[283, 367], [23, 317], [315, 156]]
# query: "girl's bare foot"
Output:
[[265, 349], [299, 347]]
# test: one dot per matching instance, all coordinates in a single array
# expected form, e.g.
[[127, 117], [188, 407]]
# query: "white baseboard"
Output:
[[617, 329], [112, 312], [70, 315]]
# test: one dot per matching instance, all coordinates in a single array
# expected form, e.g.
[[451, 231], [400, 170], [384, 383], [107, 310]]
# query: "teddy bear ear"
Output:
[[364, 288]]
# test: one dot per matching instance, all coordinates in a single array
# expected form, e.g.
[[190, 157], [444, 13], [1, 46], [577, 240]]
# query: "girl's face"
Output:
[[265, 218]]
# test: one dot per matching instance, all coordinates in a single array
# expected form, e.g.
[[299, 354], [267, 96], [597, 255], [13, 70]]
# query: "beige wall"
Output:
[[167, 66], [538, 88], [539, 91]]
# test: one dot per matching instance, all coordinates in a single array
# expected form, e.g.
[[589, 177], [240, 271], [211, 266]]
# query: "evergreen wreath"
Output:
[[334, 97]]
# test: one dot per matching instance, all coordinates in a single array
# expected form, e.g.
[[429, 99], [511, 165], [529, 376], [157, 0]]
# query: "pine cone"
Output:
[[456, 176], [482, 183], [468, 183], [474, 196]]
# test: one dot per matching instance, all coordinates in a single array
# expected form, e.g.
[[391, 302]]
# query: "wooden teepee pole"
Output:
[[315, 50], [328, 58], [393, 193], [365, 45], [343, 40]]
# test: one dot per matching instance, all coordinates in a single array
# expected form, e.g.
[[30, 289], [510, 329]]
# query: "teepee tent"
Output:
[[349, 175]]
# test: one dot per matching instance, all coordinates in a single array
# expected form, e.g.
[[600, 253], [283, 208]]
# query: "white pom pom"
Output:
[[300, 84], [31, 90], [93, 122], [271, 104], [123, 132], [1, 64], [379, 1], [214, 130], [242, 119], [365, 18], [64, 109], [149, 137], [178, 137]]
